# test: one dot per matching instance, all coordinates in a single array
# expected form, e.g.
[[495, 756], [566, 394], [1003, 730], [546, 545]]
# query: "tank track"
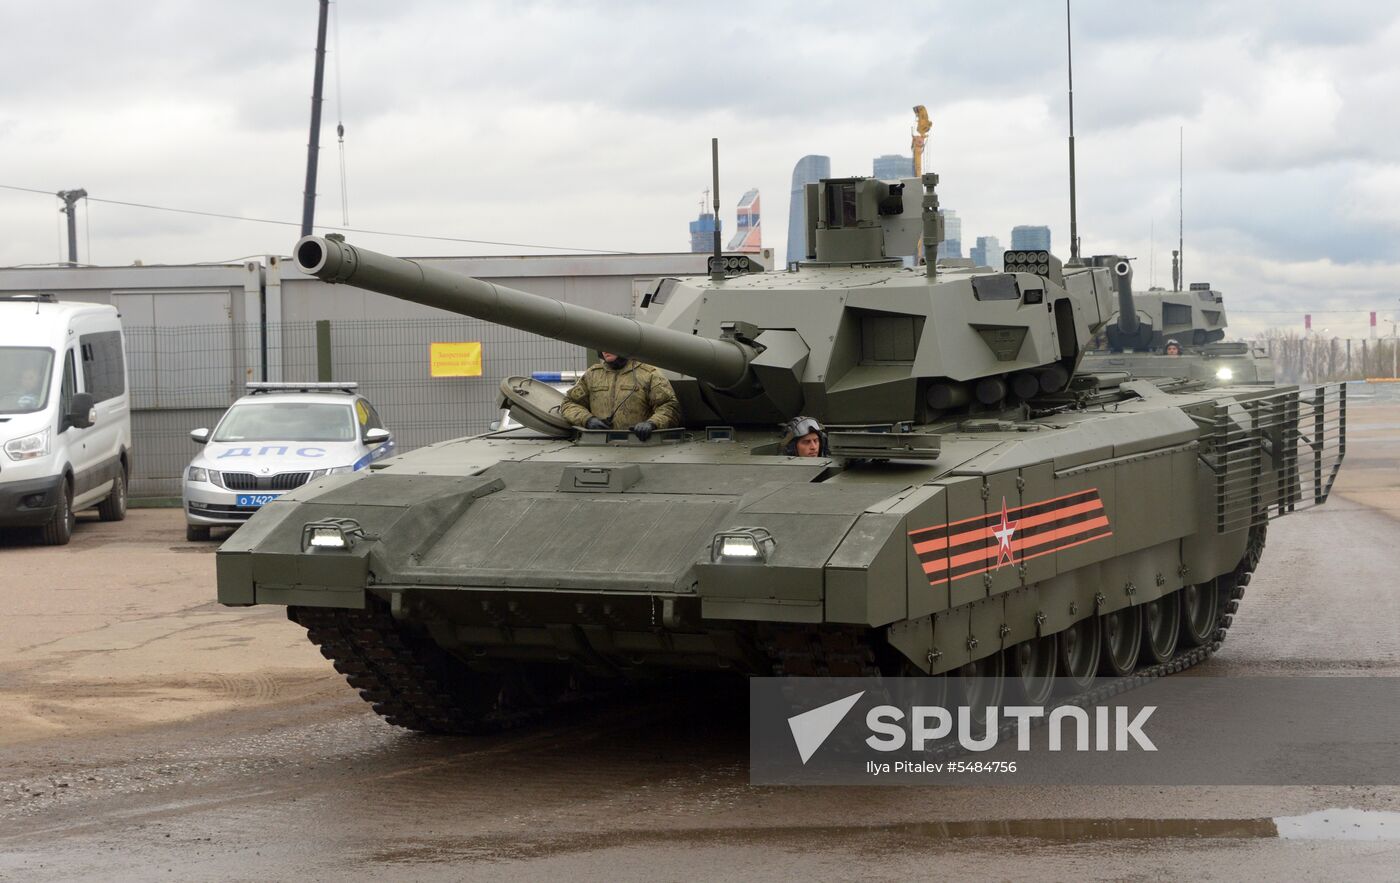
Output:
[[413, 683], [409, 680]]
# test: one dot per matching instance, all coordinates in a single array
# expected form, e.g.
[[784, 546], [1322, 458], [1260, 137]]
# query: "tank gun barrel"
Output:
[[1127, 309], [721, 363]]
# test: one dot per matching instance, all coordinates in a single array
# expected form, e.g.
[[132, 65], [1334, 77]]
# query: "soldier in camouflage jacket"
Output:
[[621, 393]]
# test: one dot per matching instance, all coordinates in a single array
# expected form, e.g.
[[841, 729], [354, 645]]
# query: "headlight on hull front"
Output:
[[330, 534], [1225, 374], [742, 545]]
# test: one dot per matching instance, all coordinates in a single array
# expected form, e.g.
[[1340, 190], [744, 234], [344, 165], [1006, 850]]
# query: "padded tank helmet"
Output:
[[796, 428]]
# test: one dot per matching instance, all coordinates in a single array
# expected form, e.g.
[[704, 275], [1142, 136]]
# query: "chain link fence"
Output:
[[1320, 359], [185, 377]]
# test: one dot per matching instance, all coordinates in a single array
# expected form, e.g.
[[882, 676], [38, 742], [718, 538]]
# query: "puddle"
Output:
[[1328, 824], [1340, 824]]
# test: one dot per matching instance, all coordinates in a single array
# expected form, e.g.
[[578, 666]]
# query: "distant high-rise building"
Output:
[[809, 170], [748, 238], [951, 246], [1028, 237], [892, 166], [702, 231], [987, 252]]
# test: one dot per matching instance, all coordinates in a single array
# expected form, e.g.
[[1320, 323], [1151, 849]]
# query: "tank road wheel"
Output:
[[1033, 666], [1078, 651], [1199, 603], [1161, 624], [1122, 639], [904, 683], [980, 685]]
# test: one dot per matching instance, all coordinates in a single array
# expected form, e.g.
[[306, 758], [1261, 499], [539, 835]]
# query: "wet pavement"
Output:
[[146, 732]]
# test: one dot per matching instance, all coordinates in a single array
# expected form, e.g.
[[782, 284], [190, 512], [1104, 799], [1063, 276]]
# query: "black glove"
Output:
[[596, 423], [644, 429]]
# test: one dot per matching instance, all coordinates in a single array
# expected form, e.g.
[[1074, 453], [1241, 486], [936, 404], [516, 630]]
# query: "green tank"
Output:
[[982, 509], [1195, 321]]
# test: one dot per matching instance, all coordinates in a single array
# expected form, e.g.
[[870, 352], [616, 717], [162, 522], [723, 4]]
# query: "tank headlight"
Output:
[[29, 446], [1224, 374], [742, 545], [327, 538], [329, 534]]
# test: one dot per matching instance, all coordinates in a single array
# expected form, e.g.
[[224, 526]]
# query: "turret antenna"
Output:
[[714, 166], [1180, 208], [1073, 212]]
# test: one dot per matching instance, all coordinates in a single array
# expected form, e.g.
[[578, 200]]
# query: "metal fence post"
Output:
[[323, 351]]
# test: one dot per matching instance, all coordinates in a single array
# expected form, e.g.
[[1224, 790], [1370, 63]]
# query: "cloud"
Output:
[[588, 124]]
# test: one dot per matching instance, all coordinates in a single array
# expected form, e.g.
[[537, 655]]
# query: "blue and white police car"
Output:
[[275, 439]]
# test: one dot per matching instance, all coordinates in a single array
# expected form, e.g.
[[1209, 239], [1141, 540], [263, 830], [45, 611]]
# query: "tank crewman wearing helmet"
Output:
[[805, 437], [1173, 348], [622, 393]]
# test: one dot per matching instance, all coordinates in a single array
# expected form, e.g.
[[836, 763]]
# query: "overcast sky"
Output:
[[587, 126]]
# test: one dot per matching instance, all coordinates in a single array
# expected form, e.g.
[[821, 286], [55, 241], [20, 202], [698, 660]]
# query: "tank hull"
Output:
[[513, 552]]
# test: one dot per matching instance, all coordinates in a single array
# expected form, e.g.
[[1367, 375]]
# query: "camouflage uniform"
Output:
[[628, 396]]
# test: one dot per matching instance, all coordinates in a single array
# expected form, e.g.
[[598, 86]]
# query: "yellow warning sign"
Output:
[[455, 359]]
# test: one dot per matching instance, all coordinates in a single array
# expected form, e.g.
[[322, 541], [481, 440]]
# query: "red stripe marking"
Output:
[[930, 545], [1101, 536], [986, 532], [1057, 514], [1009, 512], [1068, 531], [1037, 540]]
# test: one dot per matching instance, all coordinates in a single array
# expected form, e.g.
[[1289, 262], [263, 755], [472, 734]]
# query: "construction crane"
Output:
[[918, 137]]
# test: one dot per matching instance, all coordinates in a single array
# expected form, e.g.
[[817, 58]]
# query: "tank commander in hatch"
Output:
[[1173, 348], [622, 393], [805, 437]]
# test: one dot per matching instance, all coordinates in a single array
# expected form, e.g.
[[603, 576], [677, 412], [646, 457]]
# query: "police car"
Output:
[[275, 439]]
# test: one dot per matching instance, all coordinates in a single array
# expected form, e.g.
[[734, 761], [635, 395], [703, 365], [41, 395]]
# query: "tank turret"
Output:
[[852, 337], [1195, 318], [1137, 338]]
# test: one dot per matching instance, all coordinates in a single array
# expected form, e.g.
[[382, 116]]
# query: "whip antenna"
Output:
[[1073, 211]]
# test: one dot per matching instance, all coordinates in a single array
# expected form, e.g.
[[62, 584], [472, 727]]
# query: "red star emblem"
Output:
[[1003, 532]]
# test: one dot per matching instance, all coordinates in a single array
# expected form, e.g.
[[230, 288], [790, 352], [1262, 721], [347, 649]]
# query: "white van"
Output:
[[65, 414]]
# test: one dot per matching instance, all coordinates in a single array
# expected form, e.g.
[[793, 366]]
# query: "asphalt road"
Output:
[[146, 732]]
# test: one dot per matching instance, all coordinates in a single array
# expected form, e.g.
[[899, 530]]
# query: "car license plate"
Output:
[[253, 501]]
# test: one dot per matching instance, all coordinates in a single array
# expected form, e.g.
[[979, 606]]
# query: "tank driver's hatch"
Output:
[[535, 404]]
